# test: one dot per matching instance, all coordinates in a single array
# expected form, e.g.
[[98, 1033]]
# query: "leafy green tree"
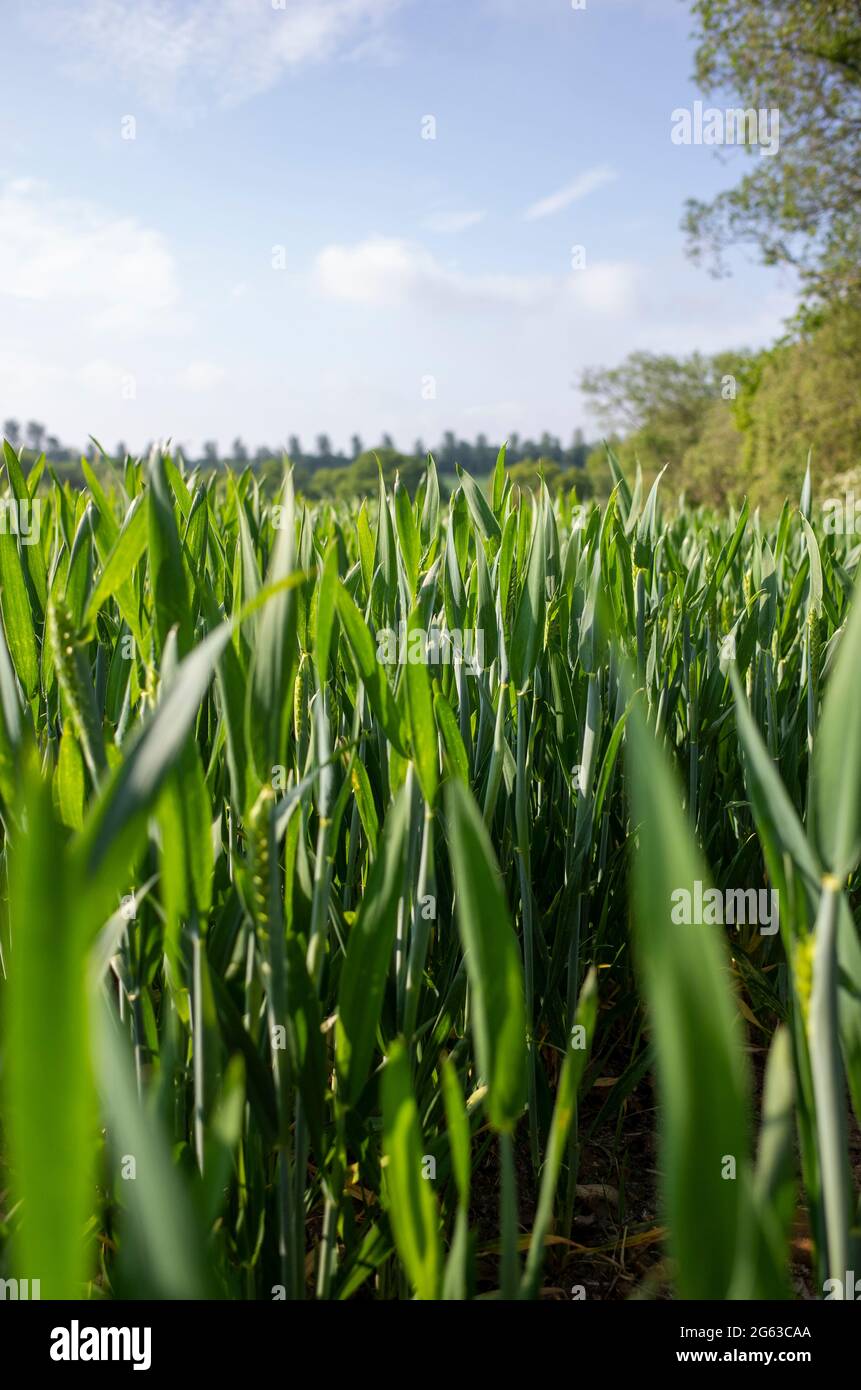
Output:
[[803, 395], [578, 453], [529, 473], [447, 451], [711, 468], [361, 476], [658, 402], [35, 435], [799, 207], [324, 451]]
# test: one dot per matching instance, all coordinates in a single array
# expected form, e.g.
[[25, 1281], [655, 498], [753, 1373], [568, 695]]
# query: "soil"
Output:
[[614, 1249]]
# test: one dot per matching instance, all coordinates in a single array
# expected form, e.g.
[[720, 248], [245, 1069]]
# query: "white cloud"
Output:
[[56, 251], [571, 193], [99, 377], [448, 222], [608, 288], [33, 383], [385, 270], [26, 186], [201, 376], [209, 51], [388, 271]]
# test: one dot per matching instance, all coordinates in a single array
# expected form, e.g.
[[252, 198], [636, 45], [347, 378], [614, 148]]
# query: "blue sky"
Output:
[[278, 250]]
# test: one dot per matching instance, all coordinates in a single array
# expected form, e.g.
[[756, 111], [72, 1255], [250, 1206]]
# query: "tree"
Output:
[[465, 455], [294, 449], [356, 446], [483, 456], [35, 435], [799, 206], [549, 447], [648, 387], [324, 450], [531, 472], [578, 453], [210, 453], [12, 432], [800, 395], [238, 451], [359, 478], [659, 402], [448, 451]]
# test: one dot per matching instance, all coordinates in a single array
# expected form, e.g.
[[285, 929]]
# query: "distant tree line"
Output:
[[324, 470]]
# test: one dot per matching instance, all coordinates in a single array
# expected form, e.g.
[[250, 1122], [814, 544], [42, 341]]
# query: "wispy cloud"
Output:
[[448, 222], [379, 48], [571, 193], [208, 51]]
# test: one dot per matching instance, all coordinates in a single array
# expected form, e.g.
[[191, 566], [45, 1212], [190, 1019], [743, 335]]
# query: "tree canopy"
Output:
[[799, 207]]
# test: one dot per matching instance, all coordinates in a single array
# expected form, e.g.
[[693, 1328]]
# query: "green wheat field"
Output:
[[331, 976]]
